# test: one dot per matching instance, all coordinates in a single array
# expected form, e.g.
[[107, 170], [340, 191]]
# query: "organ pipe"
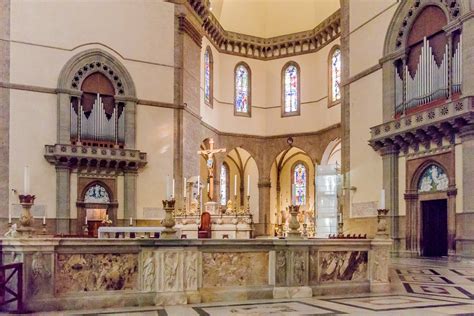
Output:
[[98, 125]]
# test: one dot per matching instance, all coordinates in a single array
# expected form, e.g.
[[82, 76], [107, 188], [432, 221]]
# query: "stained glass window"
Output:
[[242, 89], [208, 76], [433, 179], [299, 183], [290, 93], [336, 75], [223, 184]]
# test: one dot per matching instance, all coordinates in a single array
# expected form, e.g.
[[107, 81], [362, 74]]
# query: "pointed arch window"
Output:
[[242, 82], [290, 89], [208, 76], [335, 75], [299, 183], [224, 184]]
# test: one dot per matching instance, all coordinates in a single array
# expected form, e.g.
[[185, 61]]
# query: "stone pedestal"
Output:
[[294, 225], [26, 219], [169, 222]]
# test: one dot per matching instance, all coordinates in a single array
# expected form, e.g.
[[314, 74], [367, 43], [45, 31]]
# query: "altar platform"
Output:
[[100, 273]]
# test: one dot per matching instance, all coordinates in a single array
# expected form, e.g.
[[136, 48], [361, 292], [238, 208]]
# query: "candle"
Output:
[[26, 180], [44, 220], [131, 221], [85, 222], [184, 187], [248, 185], [172, 188], [235, 185], [382, 200], [9, 216]]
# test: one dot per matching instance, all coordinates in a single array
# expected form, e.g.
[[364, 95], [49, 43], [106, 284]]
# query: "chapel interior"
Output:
[[250, 157]]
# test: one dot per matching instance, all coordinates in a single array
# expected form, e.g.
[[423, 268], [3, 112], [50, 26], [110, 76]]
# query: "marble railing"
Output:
[[79, 274]]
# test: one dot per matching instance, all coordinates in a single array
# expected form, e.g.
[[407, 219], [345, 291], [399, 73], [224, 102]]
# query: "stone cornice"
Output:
[[275, 47], [423, 127], [186, 26]]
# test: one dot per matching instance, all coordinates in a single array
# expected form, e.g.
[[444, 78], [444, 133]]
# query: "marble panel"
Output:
[[343, 266], [221, 269], [280, 268], [313, 266], [95, 272], [149, 271]]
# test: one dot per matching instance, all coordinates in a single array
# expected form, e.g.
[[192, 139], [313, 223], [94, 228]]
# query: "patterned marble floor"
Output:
[[419, 287]]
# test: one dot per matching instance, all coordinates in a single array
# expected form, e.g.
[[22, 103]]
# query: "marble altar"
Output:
[[75, 273]]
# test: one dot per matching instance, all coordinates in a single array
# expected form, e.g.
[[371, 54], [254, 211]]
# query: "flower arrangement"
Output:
[[106, 221]]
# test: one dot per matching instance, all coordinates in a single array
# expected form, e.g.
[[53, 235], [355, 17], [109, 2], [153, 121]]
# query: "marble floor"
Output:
[[419, 287]]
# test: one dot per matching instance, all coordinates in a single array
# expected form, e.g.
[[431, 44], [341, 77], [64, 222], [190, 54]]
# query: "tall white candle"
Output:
[[85, 221], [184, 187], [382, 200], [235, 185], [9, 216], [131, 221], [248, 185], [26, 180], [172, 188], [44, 220]]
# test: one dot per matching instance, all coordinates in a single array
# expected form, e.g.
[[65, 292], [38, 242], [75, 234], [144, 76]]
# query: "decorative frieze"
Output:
[[86, 157], [423, 128]]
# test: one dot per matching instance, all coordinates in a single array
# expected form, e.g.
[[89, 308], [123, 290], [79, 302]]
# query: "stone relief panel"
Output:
[[280, 267], [313, 266], [234, 269], [39, 276], [299, 268], [343, 265], [95, 272], [171, 277], [191, 270], [149, 271], [380, 265]]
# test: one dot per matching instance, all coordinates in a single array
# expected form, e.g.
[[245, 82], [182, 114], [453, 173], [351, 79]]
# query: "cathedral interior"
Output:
[[250, 157]]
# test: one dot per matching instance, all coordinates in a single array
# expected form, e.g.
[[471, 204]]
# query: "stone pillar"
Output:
[[64, 118], [390, 185], [264, 186], [412, 223], [130, 124], [130, 194], [4, 109], [467, 139], [187, 73], [452, 192], [63, 197]]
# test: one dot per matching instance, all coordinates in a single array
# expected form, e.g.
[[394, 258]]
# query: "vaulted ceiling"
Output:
[[269, 18]]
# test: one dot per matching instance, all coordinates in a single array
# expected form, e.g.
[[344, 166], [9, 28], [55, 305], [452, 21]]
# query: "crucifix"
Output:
[[209, 155]]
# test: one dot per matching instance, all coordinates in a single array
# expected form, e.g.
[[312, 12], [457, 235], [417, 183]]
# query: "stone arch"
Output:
[[329, 150], [93, 60], [408, 11], [70, 80]]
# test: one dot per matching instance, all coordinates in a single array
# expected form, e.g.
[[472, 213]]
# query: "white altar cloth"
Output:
[[110, 231]]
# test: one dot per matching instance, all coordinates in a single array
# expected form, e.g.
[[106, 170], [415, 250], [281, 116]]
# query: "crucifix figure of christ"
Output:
[[209, 155]]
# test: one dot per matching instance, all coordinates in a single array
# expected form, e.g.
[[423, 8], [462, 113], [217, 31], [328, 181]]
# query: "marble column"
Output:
[[390, 185], [452, 192], [130, 194], [64, 118], [264, 186], [412, 222], [63, 197], [467, 138]]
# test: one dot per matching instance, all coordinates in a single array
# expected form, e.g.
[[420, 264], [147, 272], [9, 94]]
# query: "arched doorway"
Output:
[[95, 205], [431, 207]]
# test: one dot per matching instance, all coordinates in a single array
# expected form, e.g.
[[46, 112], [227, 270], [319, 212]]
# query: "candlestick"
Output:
[[235, 185], [172, 188], [248, 185], [382, 200], [184, 188], [26, 180]]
